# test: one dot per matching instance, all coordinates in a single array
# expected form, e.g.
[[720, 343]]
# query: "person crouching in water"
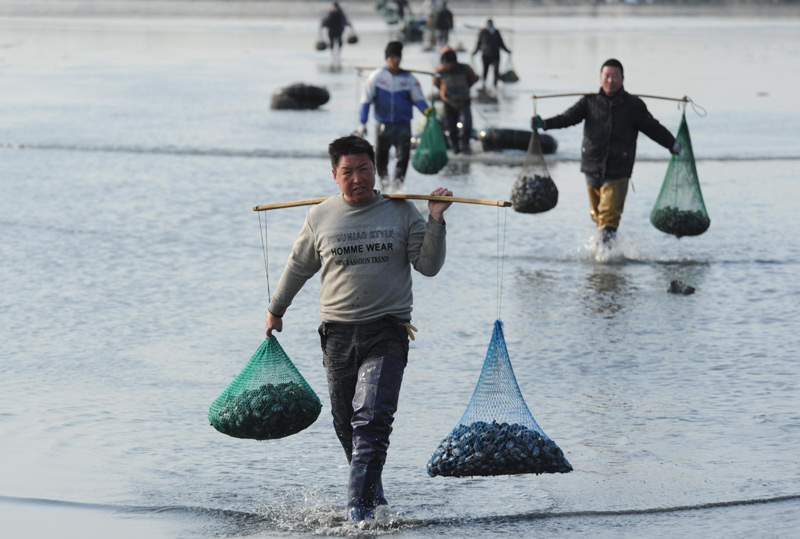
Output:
[[454, 81], [395, 93]]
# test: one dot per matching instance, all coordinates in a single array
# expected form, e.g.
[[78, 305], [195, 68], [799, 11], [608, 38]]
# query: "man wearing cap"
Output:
[[454, 81], [395, 93], [612, 121]]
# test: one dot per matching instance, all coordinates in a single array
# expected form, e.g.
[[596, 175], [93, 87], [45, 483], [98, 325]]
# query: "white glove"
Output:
[[362, 130], [676, 148]]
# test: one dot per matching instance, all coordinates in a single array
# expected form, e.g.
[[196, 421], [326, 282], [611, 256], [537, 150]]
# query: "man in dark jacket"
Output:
[[454, 81], [335, 21], [489, 43], [612, 121], [444, 23]]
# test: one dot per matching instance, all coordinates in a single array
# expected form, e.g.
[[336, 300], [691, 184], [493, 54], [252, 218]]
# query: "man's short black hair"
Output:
[[449, 57], [394, 48], [613, 62], [349, 145]]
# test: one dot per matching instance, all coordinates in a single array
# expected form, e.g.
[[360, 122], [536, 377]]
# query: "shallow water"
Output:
[[134, 286]]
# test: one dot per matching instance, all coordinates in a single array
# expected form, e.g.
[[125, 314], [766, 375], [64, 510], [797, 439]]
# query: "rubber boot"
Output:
[[608, 234], [361, 493]]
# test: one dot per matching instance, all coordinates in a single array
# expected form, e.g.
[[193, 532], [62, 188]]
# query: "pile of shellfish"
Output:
[[496, 449], [268, 412]]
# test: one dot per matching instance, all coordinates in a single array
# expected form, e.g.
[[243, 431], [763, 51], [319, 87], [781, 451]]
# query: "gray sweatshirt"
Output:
[[365, 252]]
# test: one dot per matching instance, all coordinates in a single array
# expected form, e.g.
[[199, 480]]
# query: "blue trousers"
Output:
[[364, 365]]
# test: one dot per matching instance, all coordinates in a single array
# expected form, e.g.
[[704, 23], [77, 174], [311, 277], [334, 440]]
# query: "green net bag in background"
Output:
[[679, 209], [430, 155], [269, 399]]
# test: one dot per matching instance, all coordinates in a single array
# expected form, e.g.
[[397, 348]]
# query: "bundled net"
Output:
[[497, 435], [269, 399], [430, 155], [534, 191], [509, 74], [679, 209]]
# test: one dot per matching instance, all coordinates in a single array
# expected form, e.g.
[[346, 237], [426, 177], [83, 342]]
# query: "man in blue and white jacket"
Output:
[[394, 92]]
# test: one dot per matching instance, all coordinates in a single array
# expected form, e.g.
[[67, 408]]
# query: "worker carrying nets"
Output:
[[430, 155], [534, 191], [269, 399], [679, 209], [497, 435]]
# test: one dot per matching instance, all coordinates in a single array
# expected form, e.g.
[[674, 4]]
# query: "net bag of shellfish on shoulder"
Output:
[[268, 399], [497, 435], [679, 209], [534, 191]]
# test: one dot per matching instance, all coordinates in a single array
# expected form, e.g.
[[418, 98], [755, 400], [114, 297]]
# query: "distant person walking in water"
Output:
[[454, 81], [430, 8], [490, 42], [612, 121], [401, 12], [444, 23], [335, 21], [395, 93]]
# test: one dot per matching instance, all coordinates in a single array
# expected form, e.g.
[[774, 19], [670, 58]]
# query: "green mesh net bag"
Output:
[[430, 155], [497, 435], [679, 209], [269, 399]]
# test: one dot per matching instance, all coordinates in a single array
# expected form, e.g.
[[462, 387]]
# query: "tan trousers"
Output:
[[606, 203]]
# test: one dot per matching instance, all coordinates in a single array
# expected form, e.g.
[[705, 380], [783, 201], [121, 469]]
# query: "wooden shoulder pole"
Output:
[[311, 201], [545, 96]]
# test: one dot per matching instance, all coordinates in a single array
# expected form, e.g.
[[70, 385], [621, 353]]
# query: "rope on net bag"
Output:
[[679, 209], [269, 398], [534, 191]]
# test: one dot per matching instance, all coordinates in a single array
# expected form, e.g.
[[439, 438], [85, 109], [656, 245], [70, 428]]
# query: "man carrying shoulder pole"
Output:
[[612, 120], [394, 92], [365, 245]]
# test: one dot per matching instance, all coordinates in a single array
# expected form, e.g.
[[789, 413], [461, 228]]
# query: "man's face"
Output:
[[611, 80], [355, 175], [393, 62]]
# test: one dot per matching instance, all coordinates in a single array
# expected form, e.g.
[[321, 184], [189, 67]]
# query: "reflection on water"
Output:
[[607, 290]]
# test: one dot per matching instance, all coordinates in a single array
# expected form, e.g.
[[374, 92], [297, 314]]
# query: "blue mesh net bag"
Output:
[[497, 435], [268, 399]]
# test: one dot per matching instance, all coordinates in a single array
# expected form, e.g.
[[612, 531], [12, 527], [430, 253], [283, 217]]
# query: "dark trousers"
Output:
[[364, 364], [491, 61], [459, 138], [397, 134], [335, 39]]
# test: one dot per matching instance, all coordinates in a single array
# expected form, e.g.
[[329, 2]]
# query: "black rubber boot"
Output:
[[374, 405], [380, 499], [361, 493]]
